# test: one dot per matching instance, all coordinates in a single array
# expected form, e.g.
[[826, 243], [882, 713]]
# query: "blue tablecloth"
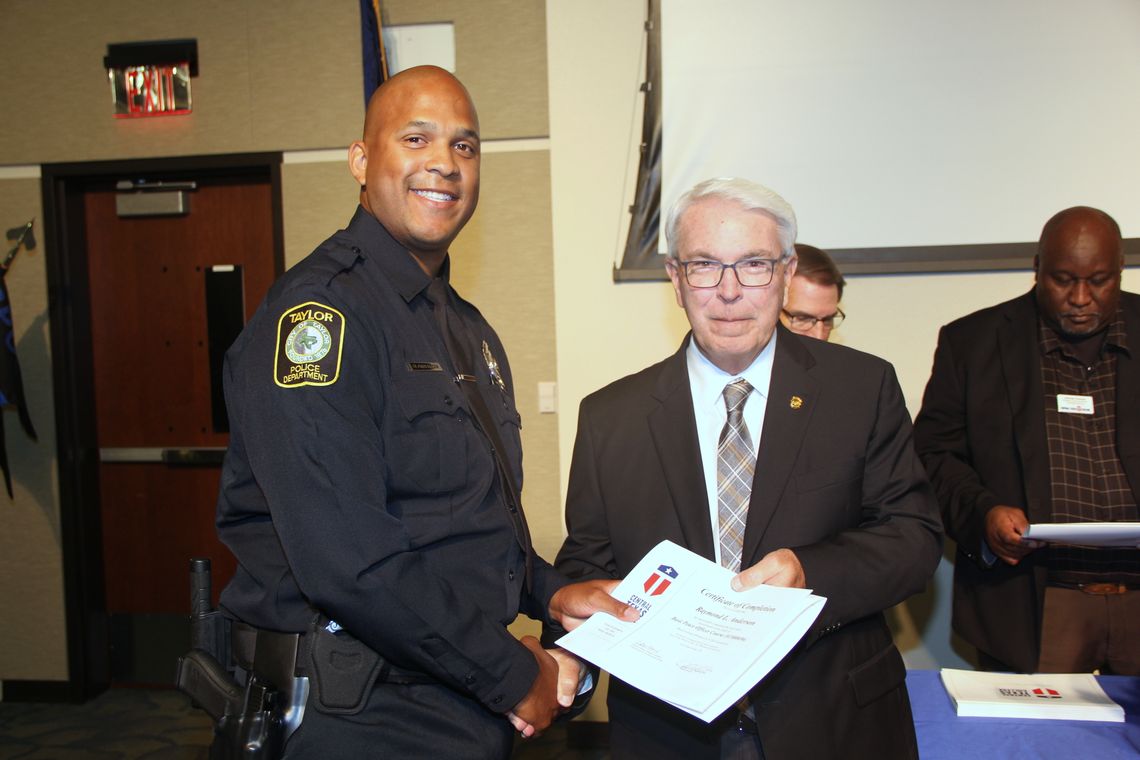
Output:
[[942, 734]]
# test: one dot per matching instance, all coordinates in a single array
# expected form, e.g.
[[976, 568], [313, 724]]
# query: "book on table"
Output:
[[1057, 696]]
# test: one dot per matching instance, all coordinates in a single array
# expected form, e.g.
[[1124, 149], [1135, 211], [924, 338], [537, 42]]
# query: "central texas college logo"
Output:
[[656, 583]]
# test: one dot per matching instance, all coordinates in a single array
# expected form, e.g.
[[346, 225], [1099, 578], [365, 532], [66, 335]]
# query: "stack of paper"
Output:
[[698, 645], [1087, 533], [1060, 696]]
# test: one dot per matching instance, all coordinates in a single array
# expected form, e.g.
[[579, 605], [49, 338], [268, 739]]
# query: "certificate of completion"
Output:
[[698, 644]]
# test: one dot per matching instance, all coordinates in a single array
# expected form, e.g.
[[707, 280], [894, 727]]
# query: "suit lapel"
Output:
[[1021, 370], [673, 427], [785, 423]]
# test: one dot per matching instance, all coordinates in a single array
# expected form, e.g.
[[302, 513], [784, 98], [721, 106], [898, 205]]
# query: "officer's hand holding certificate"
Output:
[[698, 645]]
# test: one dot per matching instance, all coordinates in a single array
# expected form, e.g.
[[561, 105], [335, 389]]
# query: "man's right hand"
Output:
[[535, 712], [1004, 528], [572, 604]]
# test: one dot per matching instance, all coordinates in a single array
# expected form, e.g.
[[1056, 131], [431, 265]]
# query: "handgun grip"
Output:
[[205, 681]]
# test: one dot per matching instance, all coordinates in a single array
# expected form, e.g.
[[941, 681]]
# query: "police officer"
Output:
[[370, 487]]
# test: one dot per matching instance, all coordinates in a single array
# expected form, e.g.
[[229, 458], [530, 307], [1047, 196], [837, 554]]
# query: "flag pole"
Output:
[[19, 234], [380, 41]]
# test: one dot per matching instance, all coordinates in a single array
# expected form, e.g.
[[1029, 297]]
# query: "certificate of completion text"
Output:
[[699, 644]]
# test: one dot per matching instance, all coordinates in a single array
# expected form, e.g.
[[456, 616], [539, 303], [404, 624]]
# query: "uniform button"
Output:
[[510, 575], [512, 508], [497, 700], [356, 249], [447, 400], [469, 679]]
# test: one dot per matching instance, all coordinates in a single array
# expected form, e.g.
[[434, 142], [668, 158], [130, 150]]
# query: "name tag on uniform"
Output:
[[425, 367], [1069, 404]]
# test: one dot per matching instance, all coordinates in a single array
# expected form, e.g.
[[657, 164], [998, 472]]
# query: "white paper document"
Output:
[[698, 645], [1087, 533], [1059, 696]]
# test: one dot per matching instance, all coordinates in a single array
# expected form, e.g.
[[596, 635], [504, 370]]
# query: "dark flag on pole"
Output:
[[11, 382], [372, 47]]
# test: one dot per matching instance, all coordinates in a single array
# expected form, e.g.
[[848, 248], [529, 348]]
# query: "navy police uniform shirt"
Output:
[[357, 484]]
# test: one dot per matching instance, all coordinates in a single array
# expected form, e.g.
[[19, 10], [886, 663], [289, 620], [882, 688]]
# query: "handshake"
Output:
[[561, 674]]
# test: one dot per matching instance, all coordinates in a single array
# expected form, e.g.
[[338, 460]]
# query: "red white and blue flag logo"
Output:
[[1046, 693], [656, 583]]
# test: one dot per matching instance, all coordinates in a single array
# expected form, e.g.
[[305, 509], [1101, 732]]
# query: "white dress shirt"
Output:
[[707, 382]]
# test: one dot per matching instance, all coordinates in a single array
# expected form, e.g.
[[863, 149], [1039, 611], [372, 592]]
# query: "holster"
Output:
[[343, 670], [251, 721], [257, 732], [274, 697], [325, 668]]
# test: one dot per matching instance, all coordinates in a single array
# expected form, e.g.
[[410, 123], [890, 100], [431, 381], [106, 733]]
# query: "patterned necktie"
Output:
[[735, 464]]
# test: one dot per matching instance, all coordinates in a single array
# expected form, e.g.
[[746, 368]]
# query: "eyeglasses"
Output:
[[806, 322], [750, 273]]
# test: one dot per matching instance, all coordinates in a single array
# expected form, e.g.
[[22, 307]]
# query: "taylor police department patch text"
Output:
[[309, 341]]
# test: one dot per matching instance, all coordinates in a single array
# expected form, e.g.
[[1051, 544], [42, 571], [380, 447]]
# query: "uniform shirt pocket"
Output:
[[427, 444]]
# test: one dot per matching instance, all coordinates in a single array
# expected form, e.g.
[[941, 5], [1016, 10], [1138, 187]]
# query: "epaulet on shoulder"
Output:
[[344, 249], [337, 254]]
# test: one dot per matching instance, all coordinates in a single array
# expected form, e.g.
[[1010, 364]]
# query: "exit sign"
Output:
[[151, 78], [150, 90]]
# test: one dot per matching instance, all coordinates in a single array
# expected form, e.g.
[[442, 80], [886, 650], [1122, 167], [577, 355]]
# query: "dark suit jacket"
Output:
[[836, 480], [981, 435]]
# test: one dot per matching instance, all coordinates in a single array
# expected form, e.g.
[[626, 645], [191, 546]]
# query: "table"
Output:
[[943, 735]]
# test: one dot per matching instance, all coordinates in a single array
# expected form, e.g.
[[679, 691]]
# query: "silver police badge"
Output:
[[493, 368]]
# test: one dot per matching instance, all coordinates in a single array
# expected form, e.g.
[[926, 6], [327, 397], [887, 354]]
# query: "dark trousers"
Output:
[[1083, 631], [405, 721]]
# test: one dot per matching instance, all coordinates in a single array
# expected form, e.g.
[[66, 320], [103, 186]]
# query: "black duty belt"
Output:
[[272, 654]]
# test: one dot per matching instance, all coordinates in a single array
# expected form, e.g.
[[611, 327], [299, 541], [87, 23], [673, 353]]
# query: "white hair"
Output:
[[751, 197]]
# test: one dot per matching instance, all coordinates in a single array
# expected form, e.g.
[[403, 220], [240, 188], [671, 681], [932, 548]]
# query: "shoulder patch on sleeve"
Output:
[[310, 337]]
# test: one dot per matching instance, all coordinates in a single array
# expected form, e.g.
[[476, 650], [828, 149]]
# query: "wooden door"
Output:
[[167, 294]]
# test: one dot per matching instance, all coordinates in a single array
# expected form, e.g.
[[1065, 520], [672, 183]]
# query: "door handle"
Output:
[[188, 457], [193, 457]]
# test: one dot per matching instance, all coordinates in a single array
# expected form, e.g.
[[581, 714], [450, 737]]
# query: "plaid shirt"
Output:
[[1088, 480]]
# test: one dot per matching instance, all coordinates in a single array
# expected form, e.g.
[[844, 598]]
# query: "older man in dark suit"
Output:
[[787, 459], [1032, 414]]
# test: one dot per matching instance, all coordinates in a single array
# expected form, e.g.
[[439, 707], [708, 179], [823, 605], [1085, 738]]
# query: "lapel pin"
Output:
[[796, 402]]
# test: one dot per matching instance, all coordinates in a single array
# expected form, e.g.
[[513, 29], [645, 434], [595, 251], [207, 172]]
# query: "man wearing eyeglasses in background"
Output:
[[812, 305], [785, 459]]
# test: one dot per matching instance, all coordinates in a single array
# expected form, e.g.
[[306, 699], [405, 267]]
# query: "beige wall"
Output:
[[32, 642], [275, 75], [500, 53]]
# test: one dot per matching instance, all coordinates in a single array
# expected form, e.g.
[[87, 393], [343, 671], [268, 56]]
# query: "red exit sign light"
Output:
[[139, 91], [151, 78]]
